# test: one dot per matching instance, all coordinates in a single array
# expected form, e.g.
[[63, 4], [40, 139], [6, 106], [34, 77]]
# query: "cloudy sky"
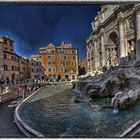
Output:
[[35, 26]]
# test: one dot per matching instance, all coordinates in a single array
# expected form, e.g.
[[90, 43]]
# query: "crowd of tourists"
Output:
[[19, 86]]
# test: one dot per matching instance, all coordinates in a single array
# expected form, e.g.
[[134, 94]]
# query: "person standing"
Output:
[[24, 91]]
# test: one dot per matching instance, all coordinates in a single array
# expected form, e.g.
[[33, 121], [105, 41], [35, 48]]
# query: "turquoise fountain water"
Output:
[[52, 112]]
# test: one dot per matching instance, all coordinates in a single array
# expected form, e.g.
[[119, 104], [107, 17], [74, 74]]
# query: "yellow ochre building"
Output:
[[60, 62]]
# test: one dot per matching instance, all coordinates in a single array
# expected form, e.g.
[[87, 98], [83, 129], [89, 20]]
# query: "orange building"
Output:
[[9, 60], [10, 66], [60, 62]]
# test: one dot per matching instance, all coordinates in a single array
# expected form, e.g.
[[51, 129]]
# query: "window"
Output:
[[11, 43], [37, 63], [65, 57], [49, 62], [53, 62], [66, 70], [32, 64], [62, 69], [52, 51], [12, 67], [49, 70], [5, 41], [73, 57], [5, 67], [32, 70], [61, 50], [48, 51], [73, 51], [37, 70], [65, 51], [6, 48], [5, 56], [74, 70], [49, 56]]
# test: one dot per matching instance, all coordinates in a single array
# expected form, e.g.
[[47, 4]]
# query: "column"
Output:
[[91, 57], [121, 35], [87, 60], [137, 10], [92, 54], [96, 54], [138, 23], [103, 48], [87, 56]]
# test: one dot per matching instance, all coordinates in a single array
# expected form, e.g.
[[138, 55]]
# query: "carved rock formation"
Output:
[[121, 82]]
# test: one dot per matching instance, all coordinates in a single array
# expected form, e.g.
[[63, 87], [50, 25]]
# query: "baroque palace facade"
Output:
[[115, 36]]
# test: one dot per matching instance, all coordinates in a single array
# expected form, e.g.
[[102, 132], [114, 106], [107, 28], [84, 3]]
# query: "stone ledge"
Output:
[[130, 129], [25, 129]]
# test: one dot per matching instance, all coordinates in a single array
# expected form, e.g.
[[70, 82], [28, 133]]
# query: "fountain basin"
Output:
[[53, 113]]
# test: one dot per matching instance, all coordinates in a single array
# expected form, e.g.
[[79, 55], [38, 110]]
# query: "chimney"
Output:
[[7, 35]]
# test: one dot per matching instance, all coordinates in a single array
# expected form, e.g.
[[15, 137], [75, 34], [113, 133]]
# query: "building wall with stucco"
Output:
[[10, 63], [36, 67], [60, 61]]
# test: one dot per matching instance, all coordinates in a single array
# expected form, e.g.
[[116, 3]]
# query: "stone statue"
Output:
[[129, 24], [132, 53]]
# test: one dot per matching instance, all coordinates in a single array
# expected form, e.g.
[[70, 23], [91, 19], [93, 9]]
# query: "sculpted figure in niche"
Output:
[[114, 58], [129, 24], [131, 53], [96, 24], [108, 60]]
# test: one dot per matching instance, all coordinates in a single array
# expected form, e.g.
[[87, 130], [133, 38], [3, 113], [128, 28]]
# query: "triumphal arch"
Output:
[[115, 36]]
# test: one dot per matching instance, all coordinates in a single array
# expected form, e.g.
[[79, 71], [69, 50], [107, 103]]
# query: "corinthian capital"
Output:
[[120, 17], [95, 37], [137, 8]]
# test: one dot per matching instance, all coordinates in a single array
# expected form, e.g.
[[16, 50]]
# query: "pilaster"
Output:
[[102, 46], [121, 35], [137, 11]]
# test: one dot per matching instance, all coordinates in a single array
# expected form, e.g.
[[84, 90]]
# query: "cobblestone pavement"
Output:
[[8, 127]]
